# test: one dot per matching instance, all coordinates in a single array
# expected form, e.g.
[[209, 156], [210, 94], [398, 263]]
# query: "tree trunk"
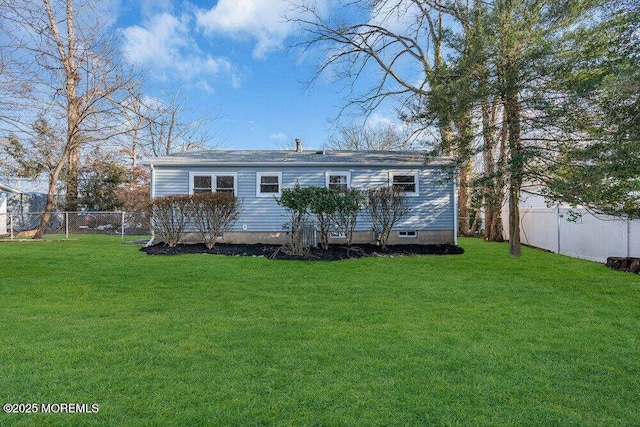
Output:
[[493, 185], [464, 148], [71, 198], [464, 200], [514, 219], [50, 203], [516, 163]]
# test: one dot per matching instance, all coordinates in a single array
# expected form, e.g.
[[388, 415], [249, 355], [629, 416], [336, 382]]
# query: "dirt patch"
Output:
[[632, 265], [335, 252]]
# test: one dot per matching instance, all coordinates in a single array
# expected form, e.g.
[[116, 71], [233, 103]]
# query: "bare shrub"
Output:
[[214, 214], [169, 217], [386, 206]]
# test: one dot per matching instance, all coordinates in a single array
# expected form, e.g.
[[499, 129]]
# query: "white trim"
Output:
[[407, 235], [213, 176], [259, 175], [416, 177], [328, 174]]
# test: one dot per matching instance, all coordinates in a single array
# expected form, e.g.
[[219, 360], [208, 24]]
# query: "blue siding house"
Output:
[[258, 178]]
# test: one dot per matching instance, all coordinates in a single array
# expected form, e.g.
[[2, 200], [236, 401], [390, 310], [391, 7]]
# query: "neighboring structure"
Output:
[[258, 178], [20, 205], [5, 190]]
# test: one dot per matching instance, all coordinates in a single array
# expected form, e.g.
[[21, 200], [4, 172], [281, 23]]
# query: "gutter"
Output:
[[7, 189], [185, 163]]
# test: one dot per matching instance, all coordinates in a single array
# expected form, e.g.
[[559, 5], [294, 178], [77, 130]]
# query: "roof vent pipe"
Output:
[[298, 145]]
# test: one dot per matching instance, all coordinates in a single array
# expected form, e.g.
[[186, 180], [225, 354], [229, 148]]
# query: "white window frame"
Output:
[[404, 234], [259, 176], [213, 176], [416, 177], [329, 174]]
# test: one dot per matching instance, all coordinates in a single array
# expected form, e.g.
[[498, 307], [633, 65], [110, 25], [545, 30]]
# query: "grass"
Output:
[[473, 339]]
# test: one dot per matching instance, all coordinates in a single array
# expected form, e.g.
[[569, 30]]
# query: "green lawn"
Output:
[[473, 339]]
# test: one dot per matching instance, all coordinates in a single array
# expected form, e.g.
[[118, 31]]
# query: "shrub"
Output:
[[386, 206], [296, 201], [214, 214], [169, 217], [323, 205], [348, 205]]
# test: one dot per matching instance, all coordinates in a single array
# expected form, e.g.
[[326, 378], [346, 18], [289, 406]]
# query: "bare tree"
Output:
[[384, 138], [136, 123], [63, 67], [168, 131]]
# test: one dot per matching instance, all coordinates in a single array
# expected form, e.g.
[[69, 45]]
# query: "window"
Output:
[[407, 182], [201, 184], [406, 234], [225, 183], [268, 184], [213, 182], [340, 181]]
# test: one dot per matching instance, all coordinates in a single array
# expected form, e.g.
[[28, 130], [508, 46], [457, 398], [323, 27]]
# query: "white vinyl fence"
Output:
[[23, 225], [591, 237]]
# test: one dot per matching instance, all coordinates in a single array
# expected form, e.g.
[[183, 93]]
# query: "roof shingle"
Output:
[[306, 157]]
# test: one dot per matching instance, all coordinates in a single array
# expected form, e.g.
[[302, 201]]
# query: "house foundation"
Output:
[[418, 237]]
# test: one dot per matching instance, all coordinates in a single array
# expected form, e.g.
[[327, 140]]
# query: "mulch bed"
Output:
[[335, 252], [631, 265]]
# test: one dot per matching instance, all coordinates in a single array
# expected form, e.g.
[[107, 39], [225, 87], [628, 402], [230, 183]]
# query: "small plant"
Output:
[[348, 204], [386, 206], [214, 214], [169, 217]]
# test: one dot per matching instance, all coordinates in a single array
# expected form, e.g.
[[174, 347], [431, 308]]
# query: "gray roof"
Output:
[[305, 157]]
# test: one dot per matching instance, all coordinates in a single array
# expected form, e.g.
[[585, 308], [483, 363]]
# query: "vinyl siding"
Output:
[[433, 209]]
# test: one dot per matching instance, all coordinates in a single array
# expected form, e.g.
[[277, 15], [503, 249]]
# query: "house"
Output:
[[258, 178]]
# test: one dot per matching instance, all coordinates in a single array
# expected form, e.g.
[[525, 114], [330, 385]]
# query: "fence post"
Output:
[[122, 227], [66, 224], [558, 224], [11, 224]]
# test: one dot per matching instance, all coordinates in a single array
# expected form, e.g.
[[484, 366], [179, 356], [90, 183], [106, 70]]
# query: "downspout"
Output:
[[152, 194]]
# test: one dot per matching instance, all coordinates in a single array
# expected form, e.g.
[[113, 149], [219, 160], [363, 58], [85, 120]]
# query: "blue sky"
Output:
[[230, 59]]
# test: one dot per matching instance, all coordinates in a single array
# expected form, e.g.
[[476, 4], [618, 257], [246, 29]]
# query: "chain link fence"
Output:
[[24, 225]]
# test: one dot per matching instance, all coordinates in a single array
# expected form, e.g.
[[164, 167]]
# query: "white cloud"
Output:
[[157, 43], [152, 7], [164, 45], [377, 120], [261, 20], [278, 136]]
